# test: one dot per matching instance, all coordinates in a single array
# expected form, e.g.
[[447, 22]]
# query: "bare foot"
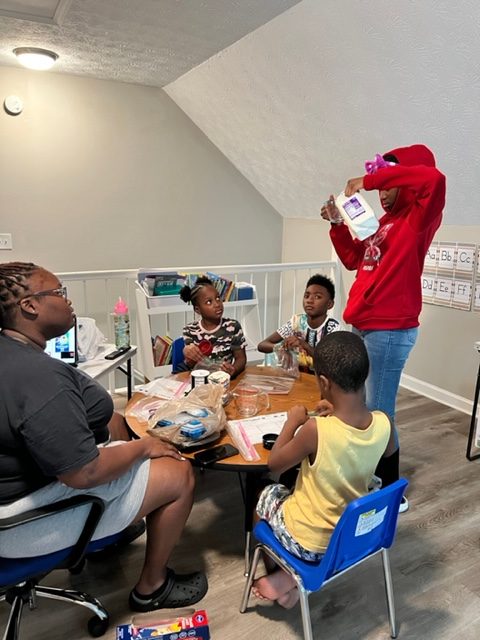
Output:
[[257, 593], [274, 585], [290, 599]]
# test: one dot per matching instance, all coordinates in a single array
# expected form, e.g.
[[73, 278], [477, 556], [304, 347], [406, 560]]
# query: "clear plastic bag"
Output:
[[286, 360], [209, 364], [202, 405], [90, 339]]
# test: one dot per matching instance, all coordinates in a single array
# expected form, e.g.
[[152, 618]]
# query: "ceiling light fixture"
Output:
[[36, 58]]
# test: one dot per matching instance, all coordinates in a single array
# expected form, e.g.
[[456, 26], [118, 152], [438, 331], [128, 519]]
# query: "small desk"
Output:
[[304, 392], [98, 366]]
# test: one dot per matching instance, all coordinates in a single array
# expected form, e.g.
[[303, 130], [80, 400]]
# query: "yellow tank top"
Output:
[[343, 467]]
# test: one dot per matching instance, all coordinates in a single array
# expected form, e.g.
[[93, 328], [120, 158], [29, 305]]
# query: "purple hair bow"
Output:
[[376, 164]]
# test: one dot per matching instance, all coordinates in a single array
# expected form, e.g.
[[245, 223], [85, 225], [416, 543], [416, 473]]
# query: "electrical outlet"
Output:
[[6, 241]]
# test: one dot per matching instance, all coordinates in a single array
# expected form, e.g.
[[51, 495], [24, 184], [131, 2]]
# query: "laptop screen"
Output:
[[64, 347]]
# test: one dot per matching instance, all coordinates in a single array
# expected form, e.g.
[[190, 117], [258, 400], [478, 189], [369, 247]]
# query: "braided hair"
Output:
[[14, 278], [189, 294]]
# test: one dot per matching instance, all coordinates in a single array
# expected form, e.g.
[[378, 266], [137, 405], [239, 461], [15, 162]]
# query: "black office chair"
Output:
[[19, 577]]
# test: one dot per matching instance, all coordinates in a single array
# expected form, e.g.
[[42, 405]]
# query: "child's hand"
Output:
[[297, 416], [192, 353], [228, 367], [292, 342], [304, 346], [324, 408]]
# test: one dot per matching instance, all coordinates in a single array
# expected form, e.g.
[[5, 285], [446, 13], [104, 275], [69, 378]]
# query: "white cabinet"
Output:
[[170, 308]]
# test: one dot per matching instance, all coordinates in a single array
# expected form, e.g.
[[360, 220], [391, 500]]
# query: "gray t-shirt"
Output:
[[51, 415]]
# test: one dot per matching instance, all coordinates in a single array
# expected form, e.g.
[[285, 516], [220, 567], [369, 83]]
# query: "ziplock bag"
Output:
[[192, 420]]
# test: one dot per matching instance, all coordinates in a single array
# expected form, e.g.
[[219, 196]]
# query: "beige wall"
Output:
[[444, 356], [106, 175]]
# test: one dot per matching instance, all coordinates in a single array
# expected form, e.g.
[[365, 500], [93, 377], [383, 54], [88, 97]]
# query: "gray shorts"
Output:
[[123, 498], [270, 508]]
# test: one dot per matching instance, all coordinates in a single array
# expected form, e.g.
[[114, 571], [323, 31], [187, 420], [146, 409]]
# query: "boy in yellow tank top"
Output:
[[338, 455]]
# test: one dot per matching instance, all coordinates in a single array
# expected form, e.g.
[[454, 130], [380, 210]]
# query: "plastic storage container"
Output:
[[357, 214]]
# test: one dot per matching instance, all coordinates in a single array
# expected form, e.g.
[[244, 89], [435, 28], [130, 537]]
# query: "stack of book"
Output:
[[162, 350], [224, 286], [227, 289]]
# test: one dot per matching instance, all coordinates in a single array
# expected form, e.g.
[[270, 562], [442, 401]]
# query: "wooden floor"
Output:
[[435, 560]]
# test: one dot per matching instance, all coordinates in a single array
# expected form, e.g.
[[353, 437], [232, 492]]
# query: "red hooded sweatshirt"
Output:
[[387, 292]]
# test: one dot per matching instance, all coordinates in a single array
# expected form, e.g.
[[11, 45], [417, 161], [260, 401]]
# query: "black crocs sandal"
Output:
[[177, 591]]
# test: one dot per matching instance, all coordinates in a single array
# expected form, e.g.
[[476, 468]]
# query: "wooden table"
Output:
[[304, 392]]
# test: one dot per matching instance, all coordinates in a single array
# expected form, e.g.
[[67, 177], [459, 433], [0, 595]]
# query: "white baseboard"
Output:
[[436, 393]]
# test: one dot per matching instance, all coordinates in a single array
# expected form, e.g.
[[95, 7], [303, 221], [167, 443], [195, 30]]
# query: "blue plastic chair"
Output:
[[177, 355], [19, 577], [366, 527]]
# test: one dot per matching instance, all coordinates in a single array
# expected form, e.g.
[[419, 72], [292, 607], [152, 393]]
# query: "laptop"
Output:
[[64, 347]]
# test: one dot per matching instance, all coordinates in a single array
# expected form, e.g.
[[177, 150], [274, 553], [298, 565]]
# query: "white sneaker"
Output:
[[375, 483], [403, 505]]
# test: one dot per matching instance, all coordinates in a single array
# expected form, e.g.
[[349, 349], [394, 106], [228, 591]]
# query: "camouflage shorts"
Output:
[[270, 508]]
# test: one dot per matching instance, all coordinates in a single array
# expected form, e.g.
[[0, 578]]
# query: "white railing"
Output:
[[279, 289]]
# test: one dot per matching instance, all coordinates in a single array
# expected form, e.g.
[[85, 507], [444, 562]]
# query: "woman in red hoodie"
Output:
[[386, 298]]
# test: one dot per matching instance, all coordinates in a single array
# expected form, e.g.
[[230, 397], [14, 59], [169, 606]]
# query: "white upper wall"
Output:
[[107, 175], [299, 104]]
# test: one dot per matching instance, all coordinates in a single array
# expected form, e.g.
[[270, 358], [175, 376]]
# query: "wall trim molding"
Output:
[[436, 393]]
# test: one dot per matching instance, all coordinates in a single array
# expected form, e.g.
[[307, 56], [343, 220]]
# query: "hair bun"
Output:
[[185, 293]]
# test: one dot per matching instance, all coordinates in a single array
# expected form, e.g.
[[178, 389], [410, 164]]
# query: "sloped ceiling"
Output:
[[300, 104], [297, 95]]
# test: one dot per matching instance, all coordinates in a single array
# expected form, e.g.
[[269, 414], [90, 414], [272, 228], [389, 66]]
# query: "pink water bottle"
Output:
[[121, 324]]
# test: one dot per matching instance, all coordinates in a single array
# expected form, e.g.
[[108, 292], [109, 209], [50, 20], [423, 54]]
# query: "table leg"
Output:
[[128, 373], [129, 378], [473, 421]]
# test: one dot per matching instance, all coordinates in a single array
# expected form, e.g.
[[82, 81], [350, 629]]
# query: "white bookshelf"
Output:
[[245, 311]]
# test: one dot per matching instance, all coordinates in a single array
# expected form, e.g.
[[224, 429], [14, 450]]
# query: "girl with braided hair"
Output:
[[212, 335]]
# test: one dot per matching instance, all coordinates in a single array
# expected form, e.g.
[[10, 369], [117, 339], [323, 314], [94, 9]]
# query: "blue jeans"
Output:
[[388, 352]]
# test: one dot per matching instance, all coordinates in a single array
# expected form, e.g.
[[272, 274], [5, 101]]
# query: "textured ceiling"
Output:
[[149, 42], [299, 105], [297, 95]]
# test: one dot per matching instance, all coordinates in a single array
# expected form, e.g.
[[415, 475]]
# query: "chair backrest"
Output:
[[177, 354], [15, 570], [367, 525]]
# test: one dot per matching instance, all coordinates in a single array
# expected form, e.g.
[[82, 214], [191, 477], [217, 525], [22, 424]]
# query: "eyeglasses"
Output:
[[61, 292]]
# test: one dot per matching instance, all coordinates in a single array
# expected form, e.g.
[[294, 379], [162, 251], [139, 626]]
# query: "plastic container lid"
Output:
[[120, 306], [205, 347]]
